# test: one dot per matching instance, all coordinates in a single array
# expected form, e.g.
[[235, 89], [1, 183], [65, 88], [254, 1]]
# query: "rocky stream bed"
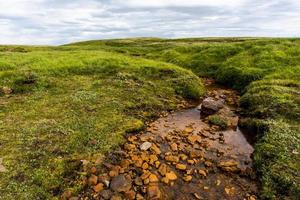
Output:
[[197, 153]]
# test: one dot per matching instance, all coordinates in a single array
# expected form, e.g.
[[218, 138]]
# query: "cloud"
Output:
[[58, 22]]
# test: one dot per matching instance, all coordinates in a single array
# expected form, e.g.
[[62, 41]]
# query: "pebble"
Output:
[[145, 146]]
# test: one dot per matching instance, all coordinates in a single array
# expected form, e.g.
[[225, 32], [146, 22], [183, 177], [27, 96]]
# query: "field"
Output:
[[63, 104]]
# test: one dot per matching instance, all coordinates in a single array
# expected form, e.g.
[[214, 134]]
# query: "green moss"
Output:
[[218, 121]]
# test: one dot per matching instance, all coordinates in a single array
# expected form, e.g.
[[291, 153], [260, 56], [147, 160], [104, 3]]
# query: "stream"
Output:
[[198, 153]]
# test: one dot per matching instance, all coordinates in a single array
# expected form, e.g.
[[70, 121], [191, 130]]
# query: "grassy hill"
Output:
[[76, 101]]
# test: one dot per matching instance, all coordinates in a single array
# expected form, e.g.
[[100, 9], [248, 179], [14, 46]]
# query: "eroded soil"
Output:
[[182, 155]]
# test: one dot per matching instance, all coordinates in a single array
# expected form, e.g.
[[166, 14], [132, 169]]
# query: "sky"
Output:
[[55, 22]]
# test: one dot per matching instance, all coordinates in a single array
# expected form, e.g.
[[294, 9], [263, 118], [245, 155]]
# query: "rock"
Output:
[[145, 165], [191, 162], [155, 149], [194, 138], [171, 158], [139, 197], [181, 166], [196, 154], [229, 166], [163, 168], [188, 130], [66, 195], [145, 175], [92, 180], [174, 147], [153, 178], [125, 163], [106, 194], [99, 187], [132, 138], [113, 173], [138, 181], [116, 197], [165, 180], [146, 181], [197, 196], [210, 106], [208, 164], [139, 162], [202, 172], [129, 147], [187, 178], [121, 183], [183, 157], [153, 192], [171, 176], [145, 146], [153, 159], [130, 195]]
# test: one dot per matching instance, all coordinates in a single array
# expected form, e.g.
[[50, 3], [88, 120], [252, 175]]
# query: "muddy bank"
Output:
[[198, 153]]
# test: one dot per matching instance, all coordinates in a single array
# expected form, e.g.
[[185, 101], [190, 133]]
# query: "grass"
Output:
[[218, 121], [73, 105], [76, 101]]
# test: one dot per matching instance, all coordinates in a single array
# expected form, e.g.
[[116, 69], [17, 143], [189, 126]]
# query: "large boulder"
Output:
[[210, 106]]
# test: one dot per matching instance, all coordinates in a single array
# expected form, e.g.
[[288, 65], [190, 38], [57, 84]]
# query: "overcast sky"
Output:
[[63, 21]]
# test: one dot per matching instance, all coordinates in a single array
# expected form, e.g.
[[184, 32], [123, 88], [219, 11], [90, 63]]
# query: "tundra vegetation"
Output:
[[63, 104]]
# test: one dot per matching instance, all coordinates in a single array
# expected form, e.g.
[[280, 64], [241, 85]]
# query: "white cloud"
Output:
[[57, 21], [170, 3]]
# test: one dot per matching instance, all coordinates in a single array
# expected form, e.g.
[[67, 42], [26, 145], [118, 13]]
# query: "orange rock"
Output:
[[144, 157], [202, 172], [196, 154], [171, 176], [165, 180], [93, 180], [125, 163], [129, 147], [174, 147], [145, 175], [163, 169], [194, 138], [191, 162], [145, 165], [153, 192], [131, 138], [113, 173], [155, 149], [180, 166], [130, 195], [139, 162], [229, 166], [188, 130], [99, 187], [153, 158], [134, 157], [172, 158], [153, 178], [187, 178]]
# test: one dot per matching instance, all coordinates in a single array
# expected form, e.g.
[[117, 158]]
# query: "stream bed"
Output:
[[197, 153]]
